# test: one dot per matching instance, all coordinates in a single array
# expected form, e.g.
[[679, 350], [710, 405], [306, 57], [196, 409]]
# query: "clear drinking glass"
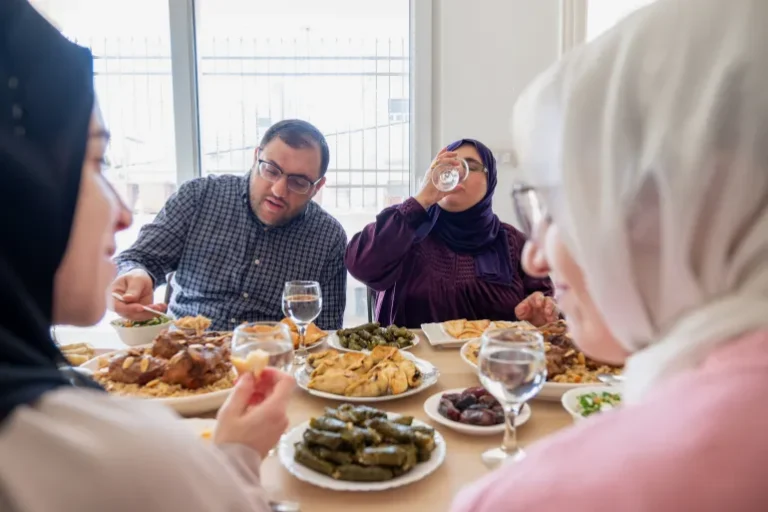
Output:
[[446, 176], [513, 368], [302, 303], [271, 337]]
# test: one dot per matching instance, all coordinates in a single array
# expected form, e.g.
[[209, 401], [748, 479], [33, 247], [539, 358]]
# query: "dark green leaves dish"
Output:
[[368, 336], [360, 444]]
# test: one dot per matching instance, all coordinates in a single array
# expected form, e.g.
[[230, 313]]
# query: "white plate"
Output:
[[570, 399], [465, 350], [332, 340], [550, 391], [185, 405], [303, 473], [437, 336], [432, 403], [429, 372]]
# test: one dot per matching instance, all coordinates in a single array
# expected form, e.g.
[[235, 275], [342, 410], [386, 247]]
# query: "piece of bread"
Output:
[[290, 324], [503, 324], [77, 353], [254, 362], [454, 327], [314, 334], [477, 325]]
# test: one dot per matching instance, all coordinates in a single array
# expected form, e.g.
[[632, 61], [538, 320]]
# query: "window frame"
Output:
[[573, 24], [183, 14]]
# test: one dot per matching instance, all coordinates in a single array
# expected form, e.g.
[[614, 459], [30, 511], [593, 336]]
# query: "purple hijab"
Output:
[[476, 231]]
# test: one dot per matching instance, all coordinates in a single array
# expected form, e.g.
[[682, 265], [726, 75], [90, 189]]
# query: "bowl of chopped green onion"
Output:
[[587, 401], [140, 333]]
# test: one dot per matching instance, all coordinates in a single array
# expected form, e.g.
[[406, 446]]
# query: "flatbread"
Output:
[[290, 324], [464, 329], [503, 324], [477, 325], [455, 327], [314, 333]]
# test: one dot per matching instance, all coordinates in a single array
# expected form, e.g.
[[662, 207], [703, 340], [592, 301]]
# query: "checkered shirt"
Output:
[[229, 266]]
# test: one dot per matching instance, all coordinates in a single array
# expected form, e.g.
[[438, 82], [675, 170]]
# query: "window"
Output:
[[603, 14], [342, 65], [130, 42], [188, 87]]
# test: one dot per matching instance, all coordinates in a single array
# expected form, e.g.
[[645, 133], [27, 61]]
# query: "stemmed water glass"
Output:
[[512, 366], [302, 303], [273, 338]]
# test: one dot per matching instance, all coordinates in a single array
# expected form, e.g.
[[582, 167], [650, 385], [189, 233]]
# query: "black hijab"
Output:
[[46, 100]]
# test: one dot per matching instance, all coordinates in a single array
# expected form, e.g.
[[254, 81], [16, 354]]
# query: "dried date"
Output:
[[448, 410], [465, 401], [473, 406], [478, 417], [487, 400]]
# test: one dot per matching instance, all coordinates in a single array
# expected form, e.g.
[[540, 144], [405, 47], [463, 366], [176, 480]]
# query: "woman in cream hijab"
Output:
[[647, 152]]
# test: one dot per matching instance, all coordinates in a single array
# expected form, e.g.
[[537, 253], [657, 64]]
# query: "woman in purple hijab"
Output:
[[442, 256]]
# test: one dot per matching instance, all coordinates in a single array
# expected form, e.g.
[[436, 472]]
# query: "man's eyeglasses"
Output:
[[529, 208], [295, 182]]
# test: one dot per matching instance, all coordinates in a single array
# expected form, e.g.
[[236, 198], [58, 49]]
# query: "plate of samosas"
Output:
[[385, 373]]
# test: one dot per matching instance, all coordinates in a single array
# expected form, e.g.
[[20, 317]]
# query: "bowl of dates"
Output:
[[470, 411]]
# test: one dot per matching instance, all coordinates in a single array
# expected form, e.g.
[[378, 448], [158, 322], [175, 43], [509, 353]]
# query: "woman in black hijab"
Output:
[[64, 443]]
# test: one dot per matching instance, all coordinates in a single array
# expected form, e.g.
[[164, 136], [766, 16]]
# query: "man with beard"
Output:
[[233, 241]]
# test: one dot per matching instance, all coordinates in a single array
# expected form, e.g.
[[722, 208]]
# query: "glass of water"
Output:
[[447, 176], [302, 303], [513, 368], [273, 338]]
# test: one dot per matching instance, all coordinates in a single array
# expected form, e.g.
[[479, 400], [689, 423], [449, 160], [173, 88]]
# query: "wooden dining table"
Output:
[[462, 463]]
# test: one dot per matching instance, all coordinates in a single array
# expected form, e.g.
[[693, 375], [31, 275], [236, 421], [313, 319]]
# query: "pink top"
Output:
[[698, 442]]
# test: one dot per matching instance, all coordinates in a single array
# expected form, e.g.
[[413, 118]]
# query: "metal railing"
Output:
[[355, 91]]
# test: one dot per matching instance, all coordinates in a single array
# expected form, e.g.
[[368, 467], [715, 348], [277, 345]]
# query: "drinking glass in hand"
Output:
[[513, 368], [302, 302], [446, 176], [273, 338]]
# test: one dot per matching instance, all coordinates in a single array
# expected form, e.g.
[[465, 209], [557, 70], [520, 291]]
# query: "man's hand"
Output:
[[537, 309], [136, 289]]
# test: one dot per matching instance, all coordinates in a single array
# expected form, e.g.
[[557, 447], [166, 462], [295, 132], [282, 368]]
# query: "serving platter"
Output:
[[286, 453], [429, 372], [332, 340], [550, 391], [184, 405]]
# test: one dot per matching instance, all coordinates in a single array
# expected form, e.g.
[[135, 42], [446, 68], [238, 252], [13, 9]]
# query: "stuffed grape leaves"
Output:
[[356, 473]]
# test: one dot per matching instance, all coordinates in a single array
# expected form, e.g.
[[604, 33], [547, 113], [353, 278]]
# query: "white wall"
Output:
[[484, 52]]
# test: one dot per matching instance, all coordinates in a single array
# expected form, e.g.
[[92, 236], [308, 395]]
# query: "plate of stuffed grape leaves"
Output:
[[385, 373], [359, 448], [366, 337]]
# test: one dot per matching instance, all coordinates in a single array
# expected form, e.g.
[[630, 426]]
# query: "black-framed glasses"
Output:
[[529, 208], [476, 166], [295, 182]]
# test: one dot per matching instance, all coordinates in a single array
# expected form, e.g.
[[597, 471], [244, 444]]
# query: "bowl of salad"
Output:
[[588, 401], [140, 333]]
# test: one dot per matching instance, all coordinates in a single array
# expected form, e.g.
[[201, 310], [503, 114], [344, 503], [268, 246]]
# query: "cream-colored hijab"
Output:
[[653, 144]]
